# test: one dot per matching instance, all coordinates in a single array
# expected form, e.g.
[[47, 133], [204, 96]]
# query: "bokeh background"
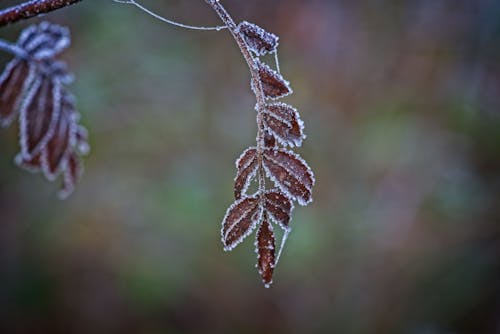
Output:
[[401, 105]]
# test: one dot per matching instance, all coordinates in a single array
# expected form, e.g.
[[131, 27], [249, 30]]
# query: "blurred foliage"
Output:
[[400, 101]]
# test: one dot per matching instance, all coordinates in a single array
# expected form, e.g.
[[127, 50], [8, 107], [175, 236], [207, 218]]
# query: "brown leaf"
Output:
[[258, 40], [290, 173], [55, 153], [241, 219], [284, 122], [39, 114], [82, 140], [247, 168], [72, 173], [265, 251], [32, 164], [269, 140], [279, 207], [14, 81], [273, 84]]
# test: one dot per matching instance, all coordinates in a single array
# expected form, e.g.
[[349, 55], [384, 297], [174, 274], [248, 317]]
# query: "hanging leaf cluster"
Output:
[[291, 178], [34, 89]]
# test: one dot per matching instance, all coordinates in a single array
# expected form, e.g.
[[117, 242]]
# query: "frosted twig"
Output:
[[31, 9], [161, 18]]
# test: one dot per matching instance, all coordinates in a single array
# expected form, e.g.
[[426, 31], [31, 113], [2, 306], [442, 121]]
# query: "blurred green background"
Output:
[[401, 105]]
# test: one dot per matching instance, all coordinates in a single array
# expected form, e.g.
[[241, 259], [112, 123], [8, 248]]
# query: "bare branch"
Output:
[[31, 9]]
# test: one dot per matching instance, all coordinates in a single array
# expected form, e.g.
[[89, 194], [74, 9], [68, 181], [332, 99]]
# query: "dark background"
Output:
[[401, 105]]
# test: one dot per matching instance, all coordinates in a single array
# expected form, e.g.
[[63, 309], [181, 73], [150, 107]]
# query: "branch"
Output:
[[256, 86], [31, 9]]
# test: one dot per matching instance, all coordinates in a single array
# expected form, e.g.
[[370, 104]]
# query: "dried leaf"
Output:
[[45, 40], [58, 148], [38, 115], [269, 140], [279, 207], [81, 140], [258, 40], [33, 164], [273, 84], [240, 220], [290, 173], [247, 168], [265, 248], [284, 122], [50, 137], [14, 82], [72, 173]]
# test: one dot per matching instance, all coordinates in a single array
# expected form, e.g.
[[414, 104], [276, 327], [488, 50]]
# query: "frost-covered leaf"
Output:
[[14, 82], [81, 140], [241, 219], [273, 84], [279, 208], [57, 70], [269, 140], [44, 40], [35, 84], [72, 172], [31, 164], [284, 122], [58, 148], [247, 169], [265, 248], [290, 173], [258, 40], [38, 115]]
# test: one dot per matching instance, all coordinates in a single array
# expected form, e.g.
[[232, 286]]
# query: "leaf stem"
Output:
[[256, 87]]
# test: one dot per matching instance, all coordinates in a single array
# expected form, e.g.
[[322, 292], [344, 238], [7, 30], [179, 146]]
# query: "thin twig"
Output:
[[31, 9], [276, 60], [161, 18]]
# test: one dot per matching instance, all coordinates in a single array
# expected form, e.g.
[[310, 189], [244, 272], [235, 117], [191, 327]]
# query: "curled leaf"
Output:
[[31, 164], [38, 115], [58, 148], [279, 208], [72, 172], [283, 121], [273, 84], [290, 173], [45, 40], [247, 169], [258, 40], [241, 219], [265, 248], [34, 84], [14, 82]]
